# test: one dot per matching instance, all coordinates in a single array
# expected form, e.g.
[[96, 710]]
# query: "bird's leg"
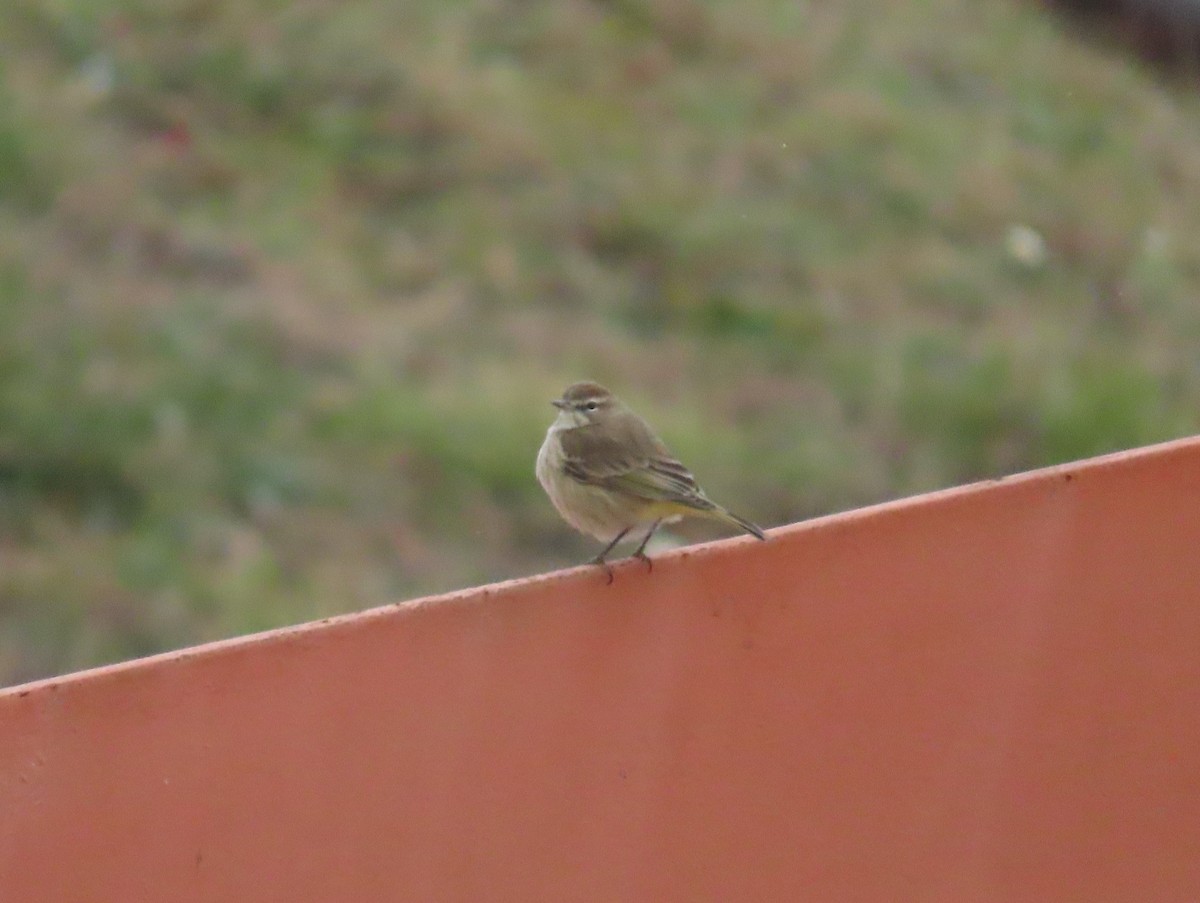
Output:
[[599, 559], [641, 549]]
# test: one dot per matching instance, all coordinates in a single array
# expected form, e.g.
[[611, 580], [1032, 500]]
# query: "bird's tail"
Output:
[[729, 517]]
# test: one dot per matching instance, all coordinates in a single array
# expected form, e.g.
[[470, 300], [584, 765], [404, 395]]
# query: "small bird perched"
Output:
[[607, 473]]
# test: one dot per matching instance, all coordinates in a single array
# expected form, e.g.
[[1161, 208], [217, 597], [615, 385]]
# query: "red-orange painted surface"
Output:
[[979, 695]]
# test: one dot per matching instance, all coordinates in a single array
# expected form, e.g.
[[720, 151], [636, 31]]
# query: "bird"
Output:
[[608, 474]]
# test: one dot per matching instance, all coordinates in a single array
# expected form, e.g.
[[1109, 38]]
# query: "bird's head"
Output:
[[585, 403]]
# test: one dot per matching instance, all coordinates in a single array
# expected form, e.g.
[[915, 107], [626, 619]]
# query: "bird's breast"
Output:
[[589, 509]]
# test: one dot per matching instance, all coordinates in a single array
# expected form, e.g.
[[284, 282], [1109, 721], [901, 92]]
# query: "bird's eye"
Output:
[[591, 405]]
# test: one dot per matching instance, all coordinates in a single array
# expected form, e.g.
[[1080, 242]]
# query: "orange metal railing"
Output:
[[990, 693]]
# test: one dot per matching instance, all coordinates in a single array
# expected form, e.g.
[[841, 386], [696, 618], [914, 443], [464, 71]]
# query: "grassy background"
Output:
[[285, 286]]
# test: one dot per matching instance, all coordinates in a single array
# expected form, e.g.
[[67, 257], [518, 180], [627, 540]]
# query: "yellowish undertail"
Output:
[[715, 512]]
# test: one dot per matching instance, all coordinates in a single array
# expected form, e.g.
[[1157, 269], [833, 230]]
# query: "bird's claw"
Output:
[[608, 571]]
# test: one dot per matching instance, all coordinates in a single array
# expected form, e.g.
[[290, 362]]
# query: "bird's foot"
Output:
[[642, 556], [608, 571]]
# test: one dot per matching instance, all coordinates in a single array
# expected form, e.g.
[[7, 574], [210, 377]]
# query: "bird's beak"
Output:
[[560, 404]]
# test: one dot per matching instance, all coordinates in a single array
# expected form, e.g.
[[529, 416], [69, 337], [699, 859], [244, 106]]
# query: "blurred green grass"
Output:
[[285, 288]]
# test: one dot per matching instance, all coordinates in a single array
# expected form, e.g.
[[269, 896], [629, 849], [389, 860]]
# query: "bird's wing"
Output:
[[628, 457]]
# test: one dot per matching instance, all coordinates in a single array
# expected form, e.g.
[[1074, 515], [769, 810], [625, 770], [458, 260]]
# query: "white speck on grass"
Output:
[[1026, 246]]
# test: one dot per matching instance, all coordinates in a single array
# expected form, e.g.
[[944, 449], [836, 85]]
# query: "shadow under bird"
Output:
[[608, 474]]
